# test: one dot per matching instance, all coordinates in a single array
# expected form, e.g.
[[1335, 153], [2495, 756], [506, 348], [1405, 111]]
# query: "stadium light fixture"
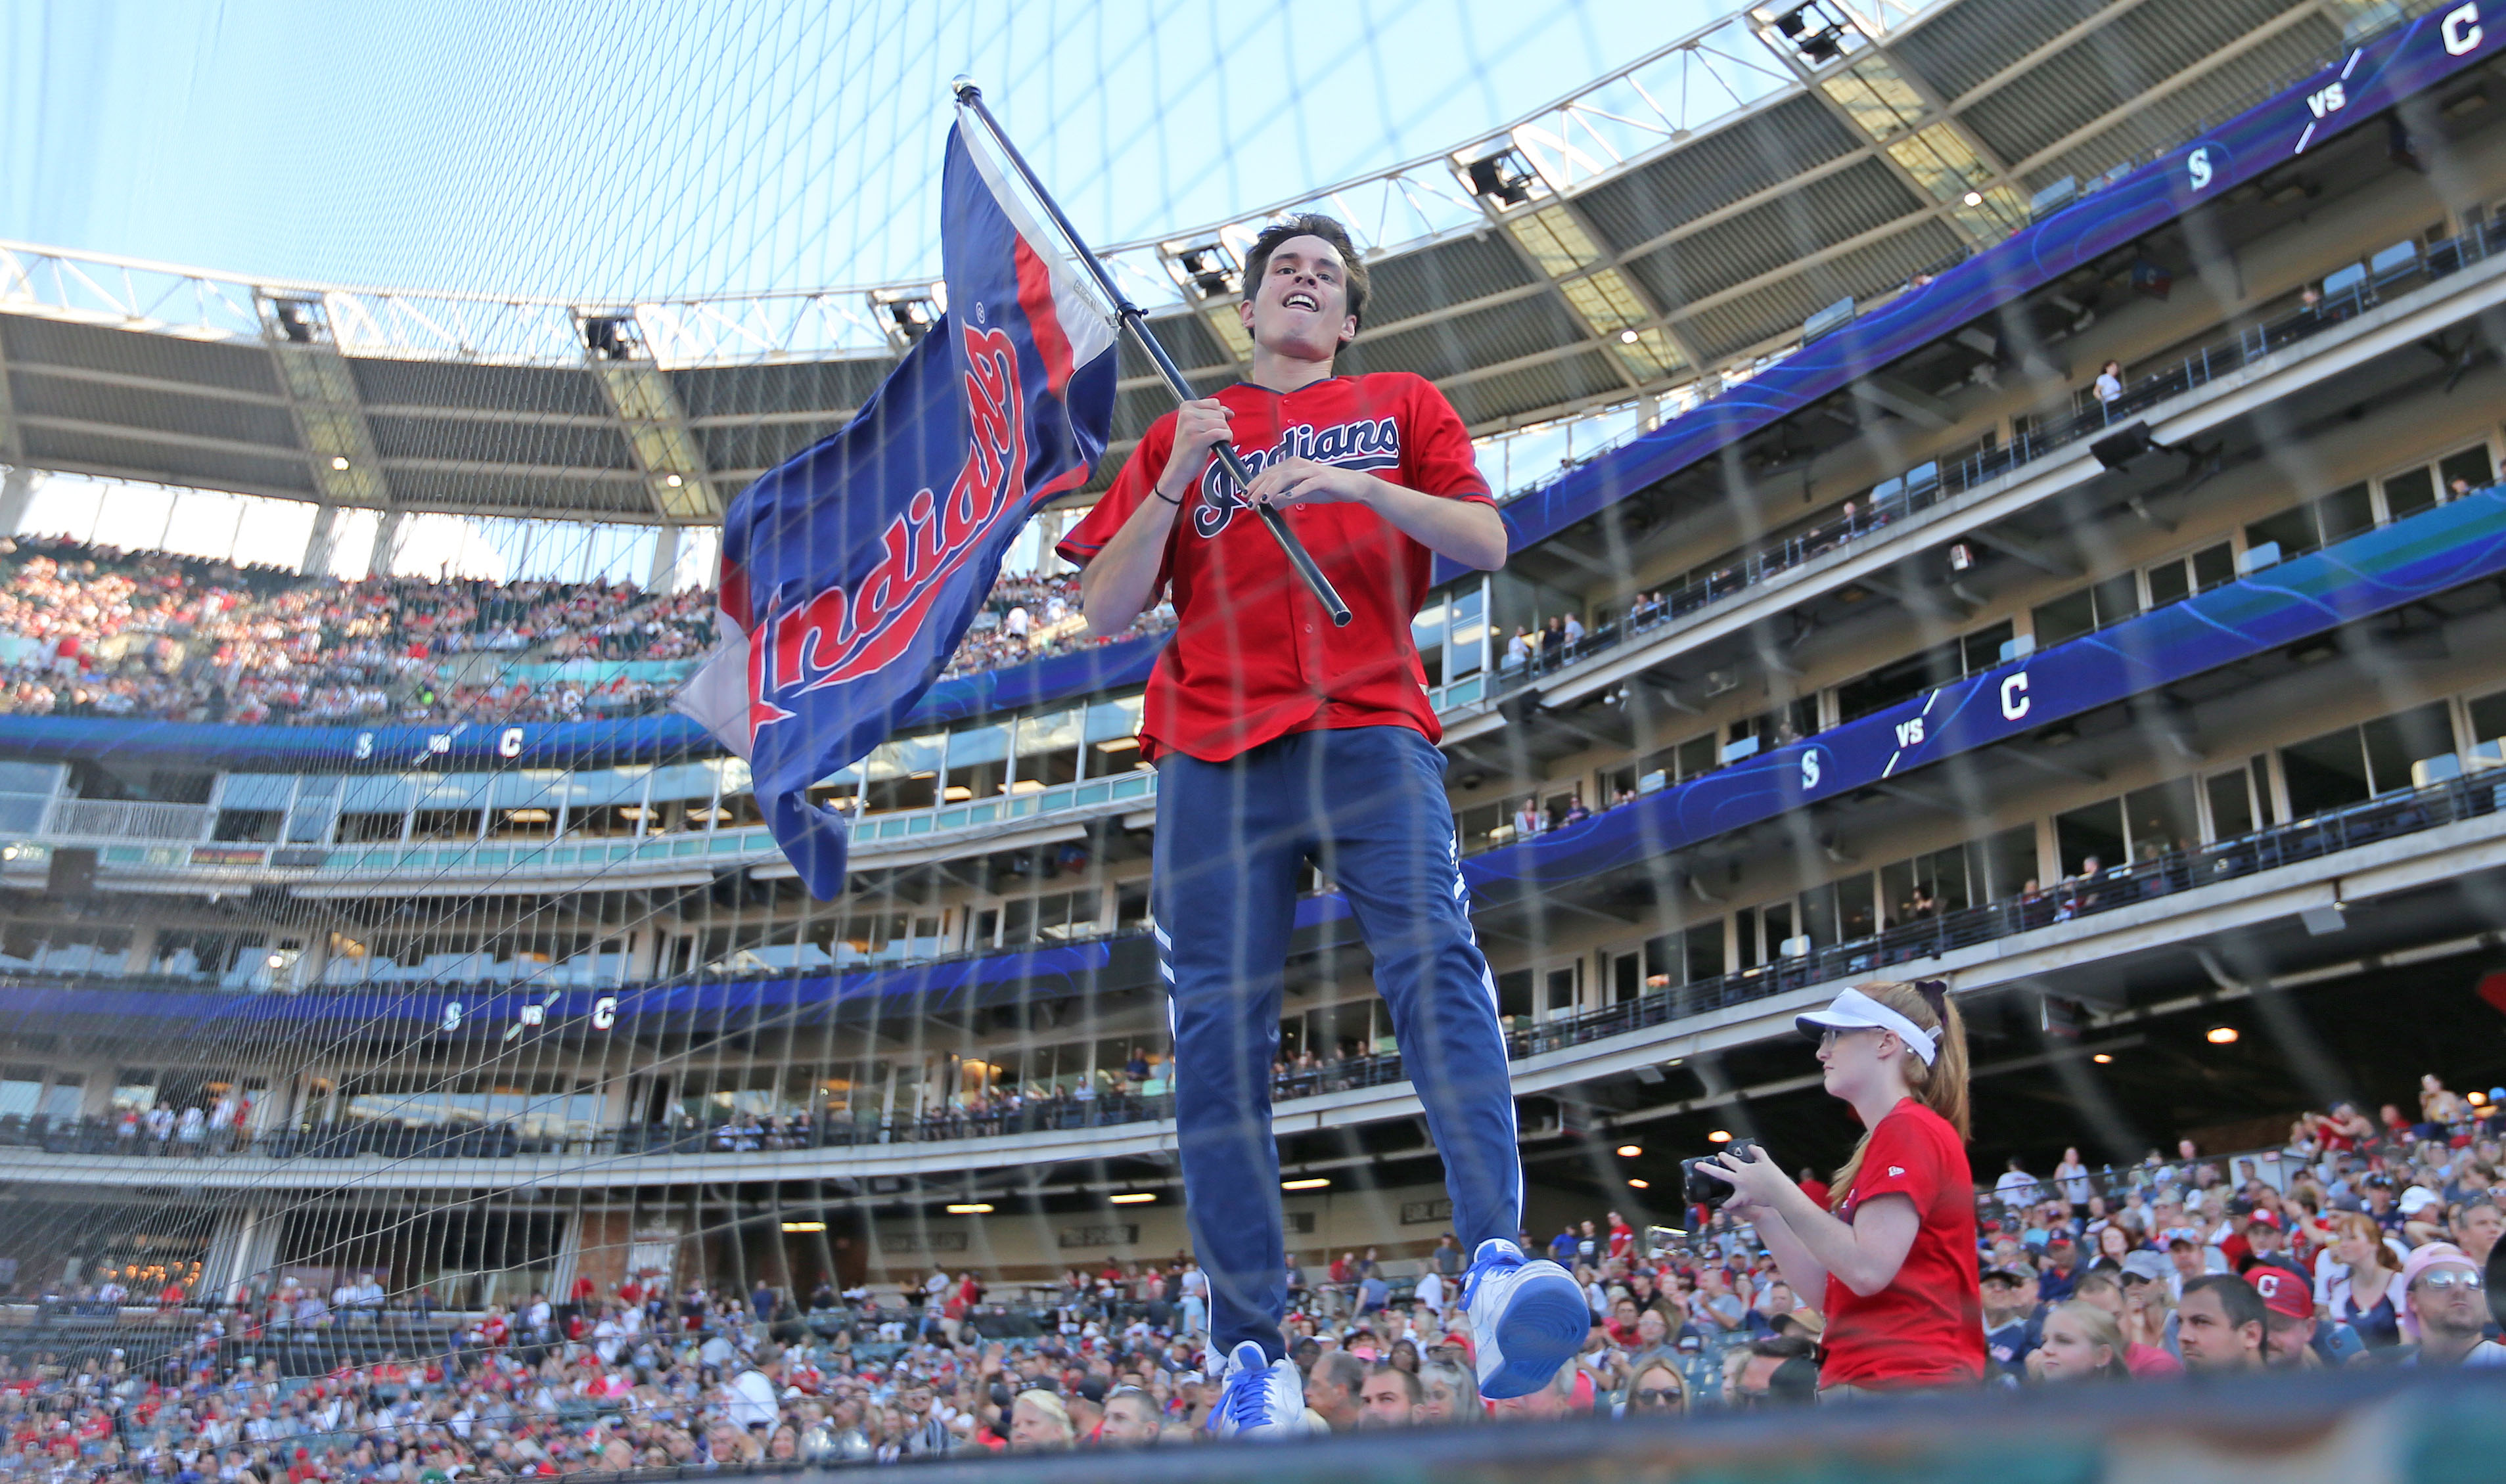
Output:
[[1719, 1136], [1311, 1182], [1629, 1150], [1816, 36], [1133, 1198], [1208, 269], [969, 1207], [673, 480], [1639, 1184], [2222, 1036], [1973, 198], [1628, 337], [1504, 178], [804, 1226], [2102, 1059], [340, 462], [610, 337]]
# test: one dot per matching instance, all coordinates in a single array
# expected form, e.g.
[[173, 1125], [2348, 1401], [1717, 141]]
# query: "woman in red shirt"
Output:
[[1896, 1259]]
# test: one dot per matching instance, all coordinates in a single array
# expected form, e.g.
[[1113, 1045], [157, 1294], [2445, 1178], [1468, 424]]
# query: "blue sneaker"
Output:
[[1528, 1316], [1259, 1398]]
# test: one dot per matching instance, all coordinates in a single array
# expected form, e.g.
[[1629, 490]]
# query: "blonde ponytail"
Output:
[[1940, 1086]]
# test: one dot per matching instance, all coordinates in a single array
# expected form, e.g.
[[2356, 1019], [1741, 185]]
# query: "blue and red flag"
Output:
[[851, 573]]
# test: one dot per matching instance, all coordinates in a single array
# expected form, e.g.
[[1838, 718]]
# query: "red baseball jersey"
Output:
[[1926, 1329], [1254, 656]]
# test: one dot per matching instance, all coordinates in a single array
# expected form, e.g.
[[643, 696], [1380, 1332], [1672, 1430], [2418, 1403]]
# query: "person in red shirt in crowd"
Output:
[[1623, 1237], [1812, 1186], [1280, 739], [1896, 1259]]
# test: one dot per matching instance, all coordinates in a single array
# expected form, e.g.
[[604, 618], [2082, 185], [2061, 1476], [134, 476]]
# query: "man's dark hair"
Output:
[[1411, 1387], [1257, 263], [2239, 1299], [1788, 1346]]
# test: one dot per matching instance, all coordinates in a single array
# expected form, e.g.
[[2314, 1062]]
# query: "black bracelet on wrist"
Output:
[[1160, 494]]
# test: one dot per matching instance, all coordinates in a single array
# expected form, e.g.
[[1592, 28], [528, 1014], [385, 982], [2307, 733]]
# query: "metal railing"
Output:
[[112, 819]]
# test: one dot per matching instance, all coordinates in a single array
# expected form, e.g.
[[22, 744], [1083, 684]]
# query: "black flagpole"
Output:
[[971, 97]]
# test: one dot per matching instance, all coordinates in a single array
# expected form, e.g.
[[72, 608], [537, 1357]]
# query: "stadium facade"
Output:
[[2142, 713]]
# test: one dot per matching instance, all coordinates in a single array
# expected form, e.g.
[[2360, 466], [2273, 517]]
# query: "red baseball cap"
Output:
[[2283, 1292]]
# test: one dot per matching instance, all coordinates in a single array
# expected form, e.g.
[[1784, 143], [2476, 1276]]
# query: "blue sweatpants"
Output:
[[1367, 803]]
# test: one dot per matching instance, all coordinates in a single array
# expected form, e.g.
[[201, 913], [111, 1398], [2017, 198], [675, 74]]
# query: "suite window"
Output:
[[2179, 578], [2355, 763], [1048, 751], [2087, 610]]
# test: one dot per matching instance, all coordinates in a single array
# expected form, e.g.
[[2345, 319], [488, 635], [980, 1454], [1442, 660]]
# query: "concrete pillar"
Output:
[[666, 559], [17, 496], [321, 543], [378, 559]]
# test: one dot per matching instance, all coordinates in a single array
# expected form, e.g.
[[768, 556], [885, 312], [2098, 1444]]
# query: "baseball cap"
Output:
[[2265, 1219], [2434, 1255], [2146, 1265], [2010, 1275], [2282, 1291], [2418, 1198]]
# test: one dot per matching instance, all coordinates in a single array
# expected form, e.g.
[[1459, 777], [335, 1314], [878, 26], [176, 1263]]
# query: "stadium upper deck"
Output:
[[2124, 713], [1657, 234]]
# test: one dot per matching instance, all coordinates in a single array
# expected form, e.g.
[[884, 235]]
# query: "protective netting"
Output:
[[399, 993]]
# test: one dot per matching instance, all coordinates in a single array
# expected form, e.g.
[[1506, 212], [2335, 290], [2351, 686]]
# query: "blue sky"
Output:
[[643, 147]]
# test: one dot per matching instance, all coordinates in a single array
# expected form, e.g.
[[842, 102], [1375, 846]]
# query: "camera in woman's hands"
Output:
[[1699, 1189]]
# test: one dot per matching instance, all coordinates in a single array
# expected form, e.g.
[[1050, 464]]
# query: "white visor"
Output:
[[1854, 1011]]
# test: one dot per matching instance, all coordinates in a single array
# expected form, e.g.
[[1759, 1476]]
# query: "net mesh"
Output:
[[413, 1047]]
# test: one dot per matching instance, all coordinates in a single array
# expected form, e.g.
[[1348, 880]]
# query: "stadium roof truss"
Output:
[[1670, 224]]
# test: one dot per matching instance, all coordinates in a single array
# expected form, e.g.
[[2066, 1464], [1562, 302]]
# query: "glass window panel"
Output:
[[2410, 492], [2214, 565], [2161, 818], [2488, 718], [256, 790], [2294, 530], [2118, 598], [2065, 617], [30, 777], [2325, 772], [2344, 513], [2094, 834], [1705, 951], [2471, 467], [2394, 742], [1048, 749], [2009, 861], [2169, 583], [2231, 805]]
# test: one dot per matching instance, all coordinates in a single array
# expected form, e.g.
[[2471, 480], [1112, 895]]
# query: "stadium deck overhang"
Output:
[[1669, 222]]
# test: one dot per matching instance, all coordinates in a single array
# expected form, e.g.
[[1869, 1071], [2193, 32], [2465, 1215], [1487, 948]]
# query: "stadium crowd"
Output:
[[94, 630], [2363, 1241]]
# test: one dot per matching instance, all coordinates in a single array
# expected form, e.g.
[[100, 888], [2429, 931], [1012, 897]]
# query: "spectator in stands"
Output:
[[2361, 1291], [2082, 1343], [1391, 1397], [2220, 1325], [2447, 1313], [2108, 388], [1335, 1389]]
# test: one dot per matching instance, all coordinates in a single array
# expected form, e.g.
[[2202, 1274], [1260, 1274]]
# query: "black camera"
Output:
[[1699, 1189]]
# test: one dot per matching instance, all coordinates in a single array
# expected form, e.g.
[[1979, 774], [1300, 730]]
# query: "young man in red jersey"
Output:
[[1280, 739]]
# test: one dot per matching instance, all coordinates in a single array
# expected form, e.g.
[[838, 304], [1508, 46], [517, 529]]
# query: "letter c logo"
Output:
[[2461, 30], [604, 1013], [509, 742], [2014, 696]]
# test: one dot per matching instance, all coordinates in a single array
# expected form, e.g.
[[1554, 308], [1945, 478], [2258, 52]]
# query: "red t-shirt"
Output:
[[1254, 656], [1926, 1329]]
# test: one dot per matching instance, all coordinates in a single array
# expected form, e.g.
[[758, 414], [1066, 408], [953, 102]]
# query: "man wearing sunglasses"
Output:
[[2448, 1305]]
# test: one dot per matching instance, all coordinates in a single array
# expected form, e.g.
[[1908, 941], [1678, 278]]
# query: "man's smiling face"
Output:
[[1301, 306]]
